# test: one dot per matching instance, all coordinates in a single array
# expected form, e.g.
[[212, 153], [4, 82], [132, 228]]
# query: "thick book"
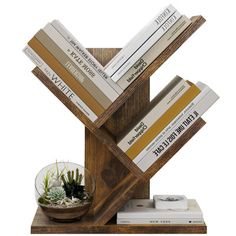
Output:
[[142, 63], [70, 81], [176, 128], [146, 46], [85, 54], [80, 62], [59, 83], [72, 68], [145, 209], [170, 94], [164, 120]]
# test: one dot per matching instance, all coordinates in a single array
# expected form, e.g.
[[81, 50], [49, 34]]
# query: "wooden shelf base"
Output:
[[42, 225]]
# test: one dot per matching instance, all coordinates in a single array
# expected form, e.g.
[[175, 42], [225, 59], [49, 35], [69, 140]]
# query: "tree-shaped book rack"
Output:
[[117, 178]]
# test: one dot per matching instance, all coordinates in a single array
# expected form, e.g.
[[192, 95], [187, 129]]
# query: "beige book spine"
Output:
[[154, 52], [67, 77], [70, 66]]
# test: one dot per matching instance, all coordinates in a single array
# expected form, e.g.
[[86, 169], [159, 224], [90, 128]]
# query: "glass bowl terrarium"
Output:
[[64, 191]]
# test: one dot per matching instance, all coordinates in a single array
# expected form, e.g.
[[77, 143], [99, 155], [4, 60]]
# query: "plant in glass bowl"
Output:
[[64, 191]]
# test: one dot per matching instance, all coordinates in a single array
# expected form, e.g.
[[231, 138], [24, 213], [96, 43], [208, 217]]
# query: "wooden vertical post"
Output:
[[106, 168]]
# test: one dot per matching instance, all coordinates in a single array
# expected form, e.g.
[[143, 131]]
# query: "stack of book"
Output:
[[169, 116], [143, 211], [91, 87], [146, 46], [72, 69]]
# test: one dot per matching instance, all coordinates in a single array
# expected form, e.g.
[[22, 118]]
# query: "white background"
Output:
[[36, 129]]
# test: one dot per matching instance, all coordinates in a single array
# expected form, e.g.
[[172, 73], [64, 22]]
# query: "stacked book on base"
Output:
[[146, 46], [75, 72], [170, 115], [143, 211], [72, 69]]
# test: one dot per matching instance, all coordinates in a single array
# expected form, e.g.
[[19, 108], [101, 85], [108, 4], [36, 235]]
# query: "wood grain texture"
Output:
[[107, 169], [41, 225]]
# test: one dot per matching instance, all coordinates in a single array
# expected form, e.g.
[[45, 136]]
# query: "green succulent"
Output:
[[56, 194]]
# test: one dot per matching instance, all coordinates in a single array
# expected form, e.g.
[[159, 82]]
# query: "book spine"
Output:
[[143, 125], [59, 83], [155, 221], [138, 40], [67, 77], [190, 115], [165, 119], [141, 64], [62, 58], [146, 46], [82, 64], [85, 54]]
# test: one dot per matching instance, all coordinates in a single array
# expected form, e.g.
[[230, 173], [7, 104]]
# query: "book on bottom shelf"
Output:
[[143, 211]]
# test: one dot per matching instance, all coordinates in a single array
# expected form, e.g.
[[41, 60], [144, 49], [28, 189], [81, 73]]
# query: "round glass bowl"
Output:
[[64, 191]]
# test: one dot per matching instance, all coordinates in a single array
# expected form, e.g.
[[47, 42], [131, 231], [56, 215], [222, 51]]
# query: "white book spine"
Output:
[[142, 63], [80, 63], [52, 76], [138, 40], [91, 60], [153, 115], [146, 46], [172, 133], [159, 221]]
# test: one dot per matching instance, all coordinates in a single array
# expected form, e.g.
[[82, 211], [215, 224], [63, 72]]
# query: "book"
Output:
[[68, 79], [171, 202], [176, 128], [70, 66], [164, 120], [136, 42], [184, 221], [60, 84], [146, 46], [85, 54], [80, 62], [165, 99], [142, 63], [144, 209]]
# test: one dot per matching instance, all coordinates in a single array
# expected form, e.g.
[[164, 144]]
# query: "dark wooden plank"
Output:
[[41, 225], [197, 21], [106, 168]]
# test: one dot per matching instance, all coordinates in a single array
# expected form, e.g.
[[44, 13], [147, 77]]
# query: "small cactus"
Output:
[[56, 194]]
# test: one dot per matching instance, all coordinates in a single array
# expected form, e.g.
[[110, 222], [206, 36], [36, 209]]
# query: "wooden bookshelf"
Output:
[[118, 179]]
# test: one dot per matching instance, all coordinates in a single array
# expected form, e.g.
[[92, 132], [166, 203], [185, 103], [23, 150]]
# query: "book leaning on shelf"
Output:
[[155, 132], [142, 211], [72, 69], [146, 46]]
